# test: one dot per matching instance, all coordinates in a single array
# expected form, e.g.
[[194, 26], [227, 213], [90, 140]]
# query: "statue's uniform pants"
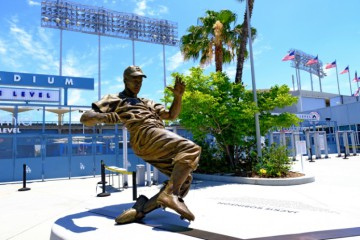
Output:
[[164, 149], [172, 155]]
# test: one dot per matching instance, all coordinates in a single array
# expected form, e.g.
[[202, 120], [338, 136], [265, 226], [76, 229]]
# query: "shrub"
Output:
[[274, 162], [212, 160]]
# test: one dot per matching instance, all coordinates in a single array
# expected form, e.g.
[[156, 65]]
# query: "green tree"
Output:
[[214, 105], [212, 38]]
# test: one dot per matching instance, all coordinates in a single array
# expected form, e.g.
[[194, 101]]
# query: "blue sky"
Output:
[[329, 29]]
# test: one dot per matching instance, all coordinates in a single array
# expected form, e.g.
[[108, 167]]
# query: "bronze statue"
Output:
[[170, 153]]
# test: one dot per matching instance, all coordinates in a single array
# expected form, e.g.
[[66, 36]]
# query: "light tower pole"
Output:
[[257, 123]]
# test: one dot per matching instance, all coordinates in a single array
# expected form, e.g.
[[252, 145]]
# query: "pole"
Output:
[[257, 124], [164, 70], [351, 92], [337, 78], [297, 78], [99, 70], [134, 185], [60, 64], [319, 76], [133, 51], [300, 99], [24, 188], [125, 154], [103, 193], [298, 72], [164, 65], [311, 80]]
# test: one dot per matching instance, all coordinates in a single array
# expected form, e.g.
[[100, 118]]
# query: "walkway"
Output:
[[328, 207]]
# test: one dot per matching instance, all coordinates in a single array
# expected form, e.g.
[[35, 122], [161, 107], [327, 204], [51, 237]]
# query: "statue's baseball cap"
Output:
[[133, 71]]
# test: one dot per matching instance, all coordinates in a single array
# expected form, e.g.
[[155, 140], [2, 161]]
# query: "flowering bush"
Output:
[[274, 162], [262, 172]]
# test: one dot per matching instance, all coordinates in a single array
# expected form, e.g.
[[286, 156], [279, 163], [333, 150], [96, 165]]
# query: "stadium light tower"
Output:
[[257, 123], [299, 63], [65, 15]]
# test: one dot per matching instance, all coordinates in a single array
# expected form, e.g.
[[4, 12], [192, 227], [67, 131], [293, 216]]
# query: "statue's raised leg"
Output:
[[170, 197]]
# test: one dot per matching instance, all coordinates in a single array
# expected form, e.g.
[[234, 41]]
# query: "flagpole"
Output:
[[337, 77], [319, 77], [350, 83], [357, 83], [312, 87], [298, 71]]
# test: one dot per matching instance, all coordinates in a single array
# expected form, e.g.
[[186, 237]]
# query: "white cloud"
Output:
[[175, 61], [33, 3], [104, 83], [163, 9], [21, 44], [230, 71], [113, 87], [140, 7], [81, 65], [112, 47], [146, 62], [2, 48], [75, 97], [328, 72]]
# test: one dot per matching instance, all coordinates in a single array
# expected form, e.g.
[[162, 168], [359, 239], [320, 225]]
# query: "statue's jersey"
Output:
[[133, 112], [148, 137]]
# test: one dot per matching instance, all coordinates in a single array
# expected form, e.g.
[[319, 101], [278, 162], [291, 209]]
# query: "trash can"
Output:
[[140, 175]]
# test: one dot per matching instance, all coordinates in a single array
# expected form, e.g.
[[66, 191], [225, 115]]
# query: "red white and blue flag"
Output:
[[312, 61], [356, 78], [330, 65], [357, 92], [289, 56], [346, 70]]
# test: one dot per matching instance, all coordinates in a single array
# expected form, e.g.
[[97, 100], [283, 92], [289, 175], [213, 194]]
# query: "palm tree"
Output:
[[213, 37], [242, 52]]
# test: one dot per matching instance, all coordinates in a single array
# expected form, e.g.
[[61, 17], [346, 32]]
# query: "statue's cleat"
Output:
[[128, 216], [133, 214], [175, 203]]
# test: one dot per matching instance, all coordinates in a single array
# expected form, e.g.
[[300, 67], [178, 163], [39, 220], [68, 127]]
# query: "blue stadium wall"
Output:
[[51, 155]]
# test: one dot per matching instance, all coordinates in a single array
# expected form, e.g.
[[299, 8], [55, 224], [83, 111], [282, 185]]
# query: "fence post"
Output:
[[338, 147], [104, 193], [308, 144], [353, 142], [134, 185], [24, 188], [326, 145]]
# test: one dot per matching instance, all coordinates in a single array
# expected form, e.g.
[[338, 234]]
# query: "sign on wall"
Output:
[[26, 94], [313, 116], [41, 80]]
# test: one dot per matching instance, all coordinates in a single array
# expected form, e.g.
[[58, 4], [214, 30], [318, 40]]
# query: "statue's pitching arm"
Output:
[[175, 107], [91, 118]]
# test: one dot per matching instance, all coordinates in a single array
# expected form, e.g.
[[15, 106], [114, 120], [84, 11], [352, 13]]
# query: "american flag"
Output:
[[312, 61], [346, 70], [357, 92], [330, 65], [289, 56], [356, 78]]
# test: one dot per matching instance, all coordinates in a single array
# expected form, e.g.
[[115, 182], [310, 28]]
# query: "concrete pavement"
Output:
[[69, 209]]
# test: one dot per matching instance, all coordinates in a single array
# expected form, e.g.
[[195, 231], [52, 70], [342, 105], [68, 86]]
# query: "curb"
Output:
[[256, 181]]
